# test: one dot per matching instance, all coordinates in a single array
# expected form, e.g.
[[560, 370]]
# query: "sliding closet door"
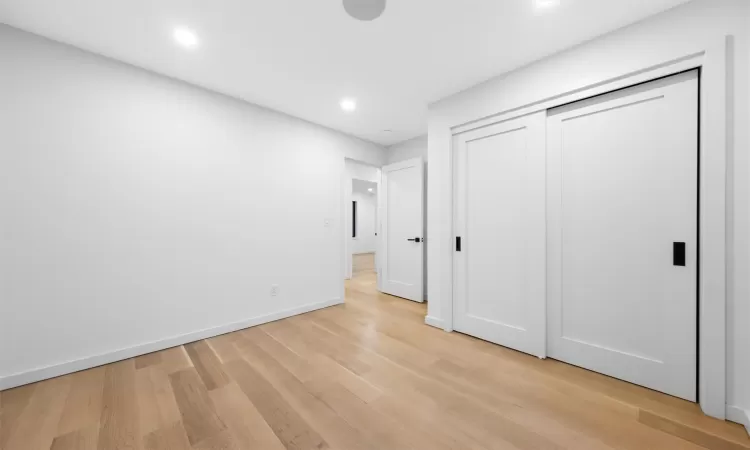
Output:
[[499, 261], [623, 237]]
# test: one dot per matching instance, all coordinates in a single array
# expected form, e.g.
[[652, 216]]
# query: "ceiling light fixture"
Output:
[[185, 37], [546, 4], [370, 190], [365, 10], [348, 104]]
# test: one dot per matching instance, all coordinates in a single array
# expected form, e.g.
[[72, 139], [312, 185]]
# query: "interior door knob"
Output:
[[415, 240]]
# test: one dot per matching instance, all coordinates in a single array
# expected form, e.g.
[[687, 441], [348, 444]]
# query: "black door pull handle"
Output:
[[678, 254], [415, 240]]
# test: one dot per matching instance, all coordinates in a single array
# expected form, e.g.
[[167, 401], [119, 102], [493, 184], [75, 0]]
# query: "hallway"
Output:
[[363, 263]]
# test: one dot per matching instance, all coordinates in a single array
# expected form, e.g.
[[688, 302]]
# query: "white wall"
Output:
[[641, 45], [363, 171], [413, 148], [367, 206], [136, 208]]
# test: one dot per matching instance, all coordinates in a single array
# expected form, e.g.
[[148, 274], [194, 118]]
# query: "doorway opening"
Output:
[[364, 219], [361, 221], [384, 240]]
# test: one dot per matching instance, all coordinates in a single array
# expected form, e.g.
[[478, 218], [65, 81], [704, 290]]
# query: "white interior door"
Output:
[[500, 219], [403, 230], [622, 190]]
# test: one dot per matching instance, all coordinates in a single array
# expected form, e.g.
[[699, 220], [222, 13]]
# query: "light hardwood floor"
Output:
[[362, 263], [365, 375]]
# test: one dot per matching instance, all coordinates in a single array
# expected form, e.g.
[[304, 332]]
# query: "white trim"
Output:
[[434, 322], [43, 373], [712, 274], [446, 120], [677, 65], [346, 199], [405, 164], [739, 415], [379, 242]]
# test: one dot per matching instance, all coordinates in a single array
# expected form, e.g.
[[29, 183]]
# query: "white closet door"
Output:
[[499, 202], [622, 190], [402, 194]]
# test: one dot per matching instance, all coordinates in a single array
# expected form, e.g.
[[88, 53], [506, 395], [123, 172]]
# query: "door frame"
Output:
[[345, 219], [383, 217], [711, 59]]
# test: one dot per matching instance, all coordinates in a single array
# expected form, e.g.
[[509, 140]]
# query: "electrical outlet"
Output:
[[274, 290]]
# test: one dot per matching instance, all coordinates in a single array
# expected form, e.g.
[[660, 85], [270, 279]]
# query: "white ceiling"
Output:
[[302, 56]]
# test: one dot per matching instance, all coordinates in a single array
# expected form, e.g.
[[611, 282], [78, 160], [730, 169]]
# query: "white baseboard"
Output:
[[43, 373], [739, 415], [434, 322]]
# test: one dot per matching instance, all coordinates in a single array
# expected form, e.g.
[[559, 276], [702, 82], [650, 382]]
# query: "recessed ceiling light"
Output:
[[348, 104], [370, 189], [185, 37], [545, 4]]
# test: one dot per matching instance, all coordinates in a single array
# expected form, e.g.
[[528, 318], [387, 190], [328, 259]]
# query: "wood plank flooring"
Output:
[[363, 263], [365, 375]]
